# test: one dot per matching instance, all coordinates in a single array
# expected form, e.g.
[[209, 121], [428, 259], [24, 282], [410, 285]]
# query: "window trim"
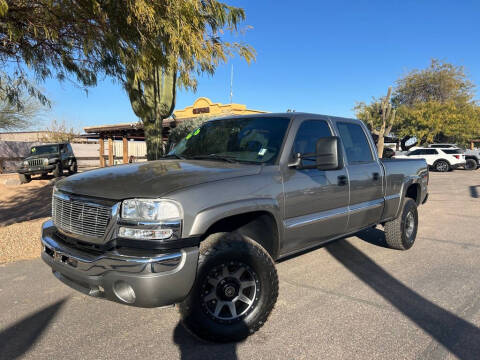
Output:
[[373, 153]]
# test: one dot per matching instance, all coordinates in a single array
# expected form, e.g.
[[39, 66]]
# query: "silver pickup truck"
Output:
[[203, 227]]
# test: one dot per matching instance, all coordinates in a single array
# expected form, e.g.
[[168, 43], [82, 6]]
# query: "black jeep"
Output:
[[47, 158]]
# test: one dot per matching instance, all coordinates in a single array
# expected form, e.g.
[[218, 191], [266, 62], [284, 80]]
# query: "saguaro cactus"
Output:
[[388, 118], [152, 99]]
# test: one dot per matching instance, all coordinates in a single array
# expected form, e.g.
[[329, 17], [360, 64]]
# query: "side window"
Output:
[[355, 142], [415, 152], [70, 150], [307, 135]]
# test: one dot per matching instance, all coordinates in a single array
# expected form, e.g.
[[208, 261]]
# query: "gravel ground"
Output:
[[23, 208]]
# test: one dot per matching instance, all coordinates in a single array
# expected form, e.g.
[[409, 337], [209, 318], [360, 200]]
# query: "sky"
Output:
[[312, 55]]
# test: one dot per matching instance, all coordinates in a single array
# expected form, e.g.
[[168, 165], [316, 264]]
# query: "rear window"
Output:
[[355, 143], [452, 151]]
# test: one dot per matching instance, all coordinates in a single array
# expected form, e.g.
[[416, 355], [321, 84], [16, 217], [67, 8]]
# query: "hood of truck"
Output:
[[151, 179], [42, 156]]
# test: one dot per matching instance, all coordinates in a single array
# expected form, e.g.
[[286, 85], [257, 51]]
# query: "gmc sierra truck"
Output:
[[203, 227]]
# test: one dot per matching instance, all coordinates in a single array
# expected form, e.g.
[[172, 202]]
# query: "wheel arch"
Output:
[[258, 223]]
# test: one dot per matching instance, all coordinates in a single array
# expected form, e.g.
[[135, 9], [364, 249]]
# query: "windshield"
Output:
[[40, 150], [256, 140]]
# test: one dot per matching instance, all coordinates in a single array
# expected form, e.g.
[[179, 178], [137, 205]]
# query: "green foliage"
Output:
[[87, 39], [434, 121], [432, 104], [440, 82]]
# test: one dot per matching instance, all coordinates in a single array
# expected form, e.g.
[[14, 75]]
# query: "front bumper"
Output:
[[34, 170], [159, 279]]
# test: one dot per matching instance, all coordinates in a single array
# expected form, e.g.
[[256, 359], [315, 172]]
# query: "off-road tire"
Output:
[[24, 178], [72, 169], [218, 249], [471, 164], [442, 166], [396, 230], [58, 171]]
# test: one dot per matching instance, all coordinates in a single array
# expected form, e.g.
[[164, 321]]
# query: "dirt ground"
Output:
[[23, 208]]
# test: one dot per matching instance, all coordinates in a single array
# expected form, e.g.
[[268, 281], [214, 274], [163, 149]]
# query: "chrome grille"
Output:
[[35, 162], [80, 217]]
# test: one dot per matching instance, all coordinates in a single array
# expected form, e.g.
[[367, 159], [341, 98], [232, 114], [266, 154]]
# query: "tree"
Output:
[[57, 132], [440, 82], [379, 116], [87, 39], [12, 117], [437, 104], [432, 104]]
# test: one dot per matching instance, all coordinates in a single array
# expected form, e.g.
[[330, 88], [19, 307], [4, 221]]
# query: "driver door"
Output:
[[316, 201]]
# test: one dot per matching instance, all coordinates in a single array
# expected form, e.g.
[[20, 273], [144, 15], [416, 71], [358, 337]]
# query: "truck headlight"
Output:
[[150, 219], [45, 162], [151, 210], [25, 163]]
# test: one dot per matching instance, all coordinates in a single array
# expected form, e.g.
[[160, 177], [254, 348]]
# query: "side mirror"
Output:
[[328, 154], [326, 157]]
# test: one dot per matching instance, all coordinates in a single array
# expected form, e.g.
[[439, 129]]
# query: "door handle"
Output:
[[342, 180], [376, 176]]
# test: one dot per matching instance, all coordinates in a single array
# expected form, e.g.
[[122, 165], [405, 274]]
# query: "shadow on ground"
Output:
[[193, 348], [456, 335], [17, 339], [28, 204], [474, 191]]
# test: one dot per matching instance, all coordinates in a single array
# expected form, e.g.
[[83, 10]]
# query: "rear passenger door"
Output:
[[365, 174]]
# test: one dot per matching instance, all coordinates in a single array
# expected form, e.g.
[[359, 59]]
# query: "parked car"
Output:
[[48, 158], [388, 153], [204, 226], [472, 156], [443, 146], [436, 158]]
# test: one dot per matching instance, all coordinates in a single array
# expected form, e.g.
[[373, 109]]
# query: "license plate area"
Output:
[[61, 258]]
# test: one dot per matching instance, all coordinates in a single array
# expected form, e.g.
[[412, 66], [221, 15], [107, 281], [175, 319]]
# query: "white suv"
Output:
[[439, 159]]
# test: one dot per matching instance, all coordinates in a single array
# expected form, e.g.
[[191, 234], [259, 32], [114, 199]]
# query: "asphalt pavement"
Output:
[[351, 299]]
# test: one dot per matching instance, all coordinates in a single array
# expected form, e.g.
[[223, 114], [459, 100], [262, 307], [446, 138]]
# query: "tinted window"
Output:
[[429, 152], [452, 151], [240, 139], [355, 142], [415, 152]]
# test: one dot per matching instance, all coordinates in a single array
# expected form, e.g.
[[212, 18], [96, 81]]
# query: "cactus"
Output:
[[388, 118], [152, 99]]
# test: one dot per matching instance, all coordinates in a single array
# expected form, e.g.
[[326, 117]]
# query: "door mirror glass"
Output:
[[327, 154], [326, 157]]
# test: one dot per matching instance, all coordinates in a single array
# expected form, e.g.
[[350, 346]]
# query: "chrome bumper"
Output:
[[152, 281]]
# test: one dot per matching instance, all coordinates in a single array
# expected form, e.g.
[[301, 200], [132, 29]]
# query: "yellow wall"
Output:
[[204, 107]]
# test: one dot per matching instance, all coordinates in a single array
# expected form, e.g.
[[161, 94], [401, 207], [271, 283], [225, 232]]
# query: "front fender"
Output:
[[206, 218]]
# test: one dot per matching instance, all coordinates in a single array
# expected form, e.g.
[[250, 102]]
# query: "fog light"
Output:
[[144, 234], [124, 292]]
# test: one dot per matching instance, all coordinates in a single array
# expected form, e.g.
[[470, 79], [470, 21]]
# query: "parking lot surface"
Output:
[[351, 299]]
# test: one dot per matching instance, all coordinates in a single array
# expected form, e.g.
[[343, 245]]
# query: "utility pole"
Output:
[[231, 85]]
